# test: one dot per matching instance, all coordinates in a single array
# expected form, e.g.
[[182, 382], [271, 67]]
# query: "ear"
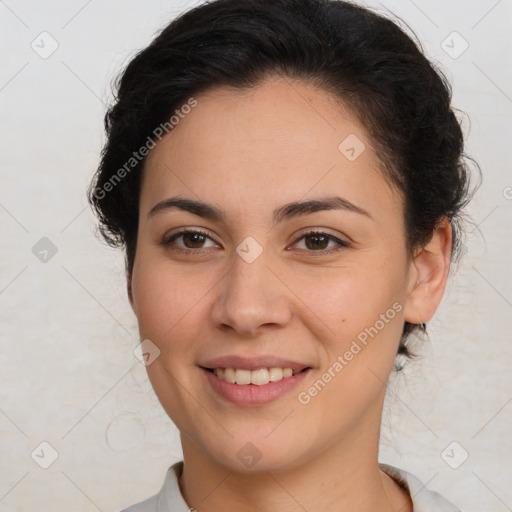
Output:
[[428, 275]]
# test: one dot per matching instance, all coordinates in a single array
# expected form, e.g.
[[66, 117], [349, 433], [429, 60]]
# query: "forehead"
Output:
[[279, 141]]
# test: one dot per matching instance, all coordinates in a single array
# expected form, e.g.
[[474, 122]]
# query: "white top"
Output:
[[169, 498]]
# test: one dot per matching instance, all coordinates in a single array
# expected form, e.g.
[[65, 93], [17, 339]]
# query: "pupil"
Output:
[[193, 238], [317, 241]]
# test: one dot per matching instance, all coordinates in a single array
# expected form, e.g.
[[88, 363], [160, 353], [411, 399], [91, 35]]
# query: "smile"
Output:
[[244, 388]]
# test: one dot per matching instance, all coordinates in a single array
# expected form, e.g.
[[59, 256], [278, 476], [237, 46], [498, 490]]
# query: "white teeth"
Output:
[[257, 377], [229, 375], [287, 372], [275, 374], [243, 376]]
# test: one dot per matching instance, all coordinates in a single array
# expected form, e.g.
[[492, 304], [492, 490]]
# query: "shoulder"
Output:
[[168, 498], [423, 499]]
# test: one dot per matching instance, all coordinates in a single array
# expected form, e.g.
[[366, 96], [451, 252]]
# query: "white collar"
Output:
[[423, 499]]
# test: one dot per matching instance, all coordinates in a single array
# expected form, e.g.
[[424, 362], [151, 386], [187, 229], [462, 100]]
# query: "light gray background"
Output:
[[68, 373]]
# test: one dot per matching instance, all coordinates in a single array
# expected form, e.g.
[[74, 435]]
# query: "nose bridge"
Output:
[[250, 295]]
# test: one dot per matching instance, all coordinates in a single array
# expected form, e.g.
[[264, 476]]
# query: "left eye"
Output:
[[318, 241]]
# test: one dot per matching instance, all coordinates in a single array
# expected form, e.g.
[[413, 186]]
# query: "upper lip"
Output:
[[252, 363]]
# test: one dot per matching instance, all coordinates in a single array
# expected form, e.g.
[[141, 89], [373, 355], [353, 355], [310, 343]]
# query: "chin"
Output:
[[258, 455]]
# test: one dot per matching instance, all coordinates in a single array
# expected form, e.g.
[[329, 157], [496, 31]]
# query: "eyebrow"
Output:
[[287, 211]]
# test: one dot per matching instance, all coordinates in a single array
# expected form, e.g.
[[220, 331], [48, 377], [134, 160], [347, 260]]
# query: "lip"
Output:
[[251, 394], [252, 363]]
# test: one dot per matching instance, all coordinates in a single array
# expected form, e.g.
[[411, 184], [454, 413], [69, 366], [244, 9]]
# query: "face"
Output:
[[246, 280]]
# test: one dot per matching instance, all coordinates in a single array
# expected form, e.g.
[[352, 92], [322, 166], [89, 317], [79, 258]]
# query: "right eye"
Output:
[[192, 241]]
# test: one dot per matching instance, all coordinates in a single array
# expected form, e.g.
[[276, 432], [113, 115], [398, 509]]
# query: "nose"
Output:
[[250, 298]]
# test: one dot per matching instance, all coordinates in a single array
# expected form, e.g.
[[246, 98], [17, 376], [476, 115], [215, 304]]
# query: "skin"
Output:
[[248, 152]]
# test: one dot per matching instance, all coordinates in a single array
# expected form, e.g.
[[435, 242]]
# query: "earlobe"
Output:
[[429, 274]]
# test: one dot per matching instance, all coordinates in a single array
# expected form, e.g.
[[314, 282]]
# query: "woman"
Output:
[[287, 180]]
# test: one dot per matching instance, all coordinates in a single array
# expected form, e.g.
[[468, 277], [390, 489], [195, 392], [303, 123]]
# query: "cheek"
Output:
[[166, 296], [170, 313], [156, 304], [354, 298], [363, 312]]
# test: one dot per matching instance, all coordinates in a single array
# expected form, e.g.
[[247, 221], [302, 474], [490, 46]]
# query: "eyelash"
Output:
[[341, 244]]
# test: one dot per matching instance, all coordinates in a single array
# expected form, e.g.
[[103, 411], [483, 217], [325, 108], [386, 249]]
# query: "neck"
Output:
[[346, 476]]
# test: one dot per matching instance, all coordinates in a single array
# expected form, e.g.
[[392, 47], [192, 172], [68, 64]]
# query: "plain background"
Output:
[[67, 369]]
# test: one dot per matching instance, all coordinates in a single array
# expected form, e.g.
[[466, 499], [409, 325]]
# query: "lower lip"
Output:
[[251, 394]]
